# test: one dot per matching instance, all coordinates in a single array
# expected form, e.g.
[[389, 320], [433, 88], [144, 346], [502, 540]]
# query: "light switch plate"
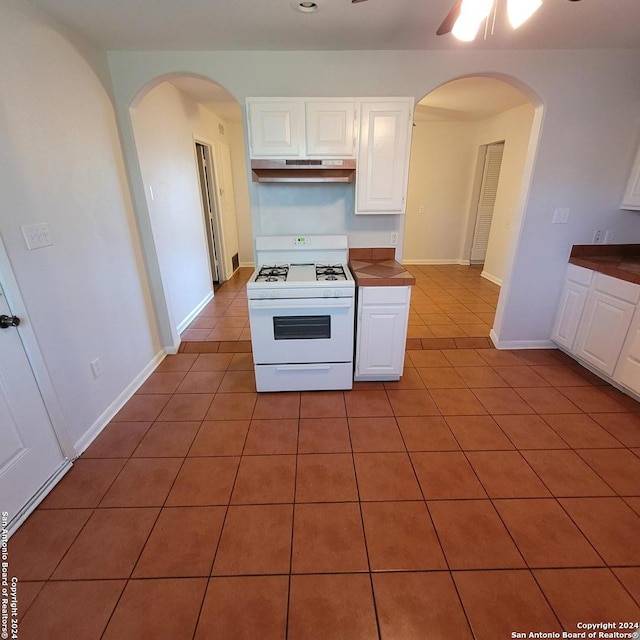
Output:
[[561, 216], [37, 235]]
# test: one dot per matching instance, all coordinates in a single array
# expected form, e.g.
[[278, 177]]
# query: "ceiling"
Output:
[[469, 99], [338, 25]]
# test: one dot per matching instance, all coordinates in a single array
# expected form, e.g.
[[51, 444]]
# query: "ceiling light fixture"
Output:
[[305, 7], [519, 11], [474, 12]]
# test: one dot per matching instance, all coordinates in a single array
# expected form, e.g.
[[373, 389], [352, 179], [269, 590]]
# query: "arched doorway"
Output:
[[473, 145], [189, 145]]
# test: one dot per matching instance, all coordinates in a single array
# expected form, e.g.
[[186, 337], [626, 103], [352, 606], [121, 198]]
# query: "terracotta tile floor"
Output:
[[485, 493]]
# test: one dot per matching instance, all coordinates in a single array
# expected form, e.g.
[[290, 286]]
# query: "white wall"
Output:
[[514, 127], [441, 172], [589, 134], [61, 163], [235, 132], [444, 157], [165, 122]]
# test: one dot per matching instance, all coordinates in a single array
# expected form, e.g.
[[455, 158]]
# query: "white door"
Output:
[[227, 200], [486, 201], [29, 451], [208, 209]]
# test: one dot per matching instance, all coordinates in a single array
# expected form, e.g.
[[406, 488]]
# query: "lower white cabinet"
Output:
[[627, 372], [381, 336], [572, 301], [594, 323], [603, 329]]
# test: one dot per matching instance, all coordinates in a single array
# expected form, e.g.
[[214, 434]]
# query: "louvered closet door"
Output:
[[486, 201]]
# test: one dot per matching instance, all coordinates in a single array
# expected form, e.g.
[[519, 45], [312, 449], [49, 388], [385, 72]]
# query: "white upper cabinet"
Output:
[[383, 155], [276, 127], [330, 128], [301, 128], [631, 198]]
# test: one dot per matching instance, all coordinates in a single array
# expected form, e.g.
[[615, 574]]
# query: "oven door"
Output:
[[302, 330]]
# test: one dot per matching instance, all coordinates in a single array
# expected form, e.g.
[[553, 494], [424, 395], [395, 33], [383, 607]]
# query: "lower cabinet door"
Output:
[[627, 372], [381, 340], [603, 330], [570, 311]]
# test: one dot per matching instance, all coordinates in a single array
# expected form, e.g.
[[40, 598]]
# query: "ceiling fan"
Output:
[[465, 16]]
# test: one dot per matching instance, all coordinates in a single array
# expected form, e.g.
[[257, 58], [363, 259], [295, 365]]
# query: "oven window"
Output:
[[301, 327]]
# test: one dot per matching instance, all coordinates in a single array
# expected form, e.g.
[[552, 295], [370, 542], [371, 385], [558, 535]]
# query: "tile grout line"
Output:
[[293, 520], [435, 530]]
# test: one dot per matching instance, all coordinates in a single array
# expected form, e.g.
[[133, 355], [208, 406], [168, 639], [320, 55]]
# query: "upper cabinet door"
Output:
[[276, 128], [330, 128], [383, 157]]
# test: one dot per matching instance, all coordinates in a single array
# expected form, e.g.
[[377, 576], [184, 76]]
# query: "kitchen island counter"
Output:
[[620, 261], [378, 268]]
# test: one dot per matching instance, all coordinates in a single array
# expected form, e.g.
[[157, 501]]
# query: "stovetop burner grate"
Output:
[[275, 273], [330, 272]]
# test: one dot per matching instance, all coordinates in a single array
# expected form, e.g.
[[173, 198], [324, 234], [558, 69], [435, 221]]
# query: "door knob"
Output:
[[9, 321]]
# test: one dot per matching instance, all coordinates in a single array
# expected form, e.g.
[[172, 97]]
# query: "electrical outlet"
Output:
[[421, 209], [96, 368], [394, 238], [598, 236]]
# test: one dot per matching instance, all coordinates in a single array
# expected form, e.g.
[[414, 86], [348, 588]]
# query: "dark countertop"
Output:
[[617, 260], [378, 268]]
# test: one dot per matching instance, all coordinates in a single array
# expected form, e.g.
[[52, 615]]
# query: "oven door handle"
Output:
[[296, 304], [303, 367]]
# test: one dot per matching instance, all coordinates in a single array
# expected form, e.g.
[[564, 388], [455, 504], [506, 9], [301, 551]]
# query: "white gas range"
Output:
[[301, 310]]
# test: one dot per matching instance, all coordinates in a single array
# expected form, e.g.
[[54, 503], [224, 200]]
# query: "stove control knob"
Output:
[[274, 294]]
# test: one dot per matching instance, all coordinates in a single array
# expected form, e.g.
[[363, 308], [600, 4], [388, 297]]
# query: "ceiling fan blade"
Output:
[[354, 1], [449, 21]]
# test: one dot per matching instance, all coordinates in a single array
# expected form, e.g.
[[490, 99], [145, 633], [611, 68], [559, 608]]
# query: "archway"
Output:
[[189, 146], [457, 213]]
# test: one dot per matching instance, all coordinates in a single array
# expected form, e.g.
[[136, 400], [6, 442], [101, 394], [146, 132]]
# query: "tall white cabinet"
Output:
[[381, 335], [383, 156]]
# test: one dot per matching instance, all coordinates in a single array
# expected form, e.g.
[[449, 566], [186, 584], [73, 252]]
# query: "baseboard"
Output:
[[109, 413], [491, 278], [247, 264], [194, 314], [520, 344], [42, 493], [434, 262]]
